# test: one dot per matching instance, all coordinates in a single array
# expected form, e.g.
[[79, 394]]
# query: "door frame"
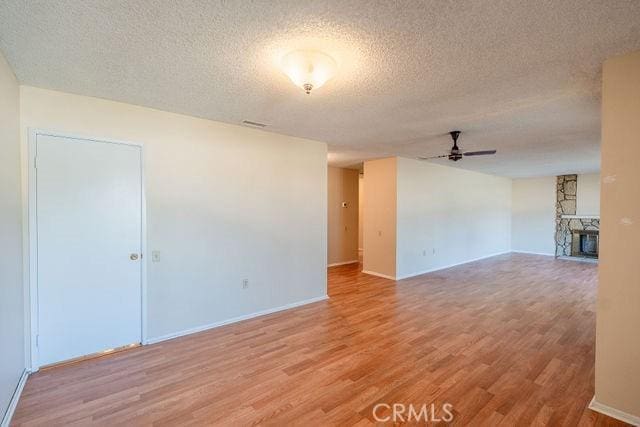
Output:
[[32, 234]]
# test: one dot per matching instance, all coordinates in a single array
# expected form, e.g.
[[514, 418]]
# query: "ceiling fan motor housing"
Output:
[[455, 151], [456, 154]]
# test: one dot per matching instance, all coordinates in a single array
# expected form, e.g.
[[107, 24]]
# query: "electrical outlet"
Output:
[[245, 283], [155, 256]]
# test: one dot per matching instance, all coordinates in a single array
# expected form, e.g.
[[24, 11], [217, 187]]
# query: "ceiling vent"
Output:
[[253, 124]]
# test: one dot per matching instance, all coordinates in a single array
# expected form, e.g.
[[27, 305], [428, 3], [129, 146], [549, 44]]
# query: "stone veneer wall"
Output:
[[566, 192]]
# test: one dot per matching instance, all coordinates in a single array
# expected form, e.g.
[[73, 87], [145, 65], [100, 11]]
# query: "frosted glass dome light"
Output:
[[308, 69]]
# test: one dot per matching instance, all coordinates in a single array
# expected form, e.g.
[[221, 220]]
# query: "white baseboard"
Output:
[[13, 403], [233, 320], [431, 270], [532, 253], [373, 273], [613, 412], [335, 264]]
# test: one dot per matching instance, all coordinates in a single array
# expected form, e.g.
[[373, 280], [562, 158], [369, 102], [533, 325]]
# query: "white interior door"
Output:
[[89, 241]]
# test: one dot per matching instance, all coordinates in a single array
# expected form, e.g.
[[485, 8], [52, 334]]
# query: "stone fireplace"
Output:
[[584, 243], [576, 235]]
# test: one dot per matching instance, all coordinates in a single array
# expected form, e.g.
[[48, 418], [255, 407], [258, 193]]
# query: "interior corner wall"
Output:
[[342, 231], [617, 376], [360, 209], [12, 331], [224, 203], [380, 209], [448, 216], [533, 222]]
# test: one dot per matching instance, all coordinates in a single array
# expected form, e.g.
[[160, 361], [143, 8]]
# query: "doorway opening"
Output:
[[344, 216]]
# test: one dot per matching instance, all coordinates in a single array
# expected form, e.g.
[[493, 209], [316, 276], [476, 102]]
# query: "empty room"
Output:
[[319, 213]]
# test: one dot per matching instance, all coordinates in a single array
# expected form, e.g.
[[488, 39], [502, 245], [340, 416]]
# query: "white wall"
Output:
[[534, 210], [12, 360], [448, 216], [224, 203], [588, 194], [533, 222]]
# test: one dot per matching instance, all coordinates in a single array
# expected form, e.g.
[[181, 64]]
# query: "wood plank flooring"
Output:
[[506, 341]]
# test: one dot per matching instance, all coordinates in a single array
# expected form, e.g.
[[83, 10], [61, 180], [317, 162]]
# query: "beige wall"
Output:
[[618, 309], [12, 360], [380, 210], [360, 209], [224, 203], [342, 230]]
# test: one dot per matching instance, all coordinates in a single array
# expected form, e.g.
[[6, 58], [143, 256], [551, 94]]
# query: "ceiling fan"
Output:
[[457, 154]]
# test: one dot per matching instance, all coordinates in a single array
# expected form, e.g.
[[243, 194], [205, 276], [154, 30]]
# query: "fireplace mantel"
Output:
[[580, 216]]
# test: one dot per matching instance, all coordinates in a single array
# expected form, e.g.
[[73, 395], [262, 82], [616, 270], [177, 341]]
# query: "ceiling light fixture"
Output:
[[308, 69]]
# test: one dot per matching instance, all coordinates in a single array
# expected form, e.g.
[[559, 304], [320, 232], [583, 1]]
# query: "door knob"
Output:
[[133, 257]]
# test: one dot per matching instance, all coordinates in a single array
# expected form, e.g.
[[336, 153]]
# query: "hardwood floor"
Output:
[[506, 341]]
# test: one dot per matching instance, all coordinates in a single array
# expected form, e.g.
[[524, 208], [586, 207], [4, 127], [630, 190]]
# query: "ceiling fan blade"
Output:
[[480, 153], [434, 157]]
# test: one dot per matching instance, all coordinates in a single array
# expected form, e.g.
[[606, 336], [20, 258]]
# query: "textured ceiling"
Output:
[[520, 76]]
